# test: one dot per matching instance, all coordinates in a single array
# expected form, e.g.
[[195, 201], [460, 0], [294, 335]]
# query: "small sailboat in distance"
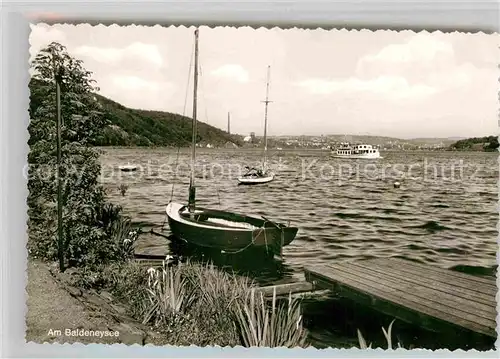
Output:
[[128, 168], [230, 232], [254, 175]]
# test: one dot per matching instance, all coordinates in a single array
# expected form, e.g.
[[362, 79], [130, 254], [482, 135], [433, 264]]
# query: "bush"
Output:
[[94, 233]]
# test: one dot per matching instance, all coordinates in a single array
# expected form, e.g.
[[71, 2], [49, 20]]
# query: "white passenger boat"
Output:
[[358, 151]]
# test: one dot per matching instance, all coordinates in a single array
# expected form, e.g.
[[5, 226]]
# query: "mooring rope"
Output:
[[254, 237]]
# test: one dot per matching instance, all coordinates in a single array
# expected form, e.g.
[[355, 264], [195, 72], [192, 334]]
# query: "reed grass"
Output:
[[199, 304], [278, 326], [215, 288], [387, 334], [202, 305], [166, 294]]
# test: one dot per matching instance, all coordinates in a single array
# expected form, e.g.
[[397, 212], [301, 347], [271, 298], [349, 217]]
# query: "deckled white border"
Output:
[[460, 15]]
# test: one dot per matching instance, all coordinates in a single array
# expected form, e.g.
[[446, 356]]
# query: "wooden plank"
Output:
[[399, 289], [445, 272], [286, 289], [368, 287], [357, 283], [383, 284], [149, 256], [466, 300], [462, 289], [462, 280], [431, 298], [149, 263], [383, 306]]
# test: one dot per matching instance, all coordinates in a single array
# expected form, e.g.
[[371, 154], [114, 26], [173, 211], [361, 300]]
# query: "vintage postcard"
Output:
[[262, 187]]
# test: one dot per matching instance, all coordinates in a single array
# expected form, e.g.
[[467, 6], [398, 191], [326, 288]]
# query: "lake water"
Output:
[[444, 213]]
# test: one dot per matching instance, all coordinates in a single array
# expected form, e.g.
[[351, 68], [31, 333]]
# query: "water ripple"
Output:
[[441, 214]]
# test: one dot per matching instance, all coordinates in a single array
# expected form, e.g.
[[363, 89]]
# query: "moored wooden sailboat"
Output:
[[227, 231], [259, 176]]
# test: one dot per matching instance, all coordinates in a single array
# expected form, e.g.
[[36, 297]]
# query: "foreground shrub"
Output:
[[196, 304], [87, 233], [127, 281], [201, 305]]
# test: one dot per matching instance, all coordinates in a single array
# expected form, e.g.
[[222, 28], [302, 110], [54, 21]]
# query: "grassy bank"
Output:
[[196, 304], [180, 305]]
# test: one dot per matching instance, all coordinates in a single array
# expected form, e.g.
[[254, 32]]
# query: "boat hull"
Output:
[[358, 157], [128, 168], [255, 180], [258, 234]]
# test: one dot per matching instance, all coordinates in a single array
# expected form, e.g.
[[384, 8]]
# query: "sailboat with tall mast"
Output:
[[230, 232], [259, 176]]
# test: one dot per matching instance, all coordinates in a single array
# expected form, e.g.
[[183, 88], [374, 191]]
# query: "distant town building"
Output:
[[250, 138]]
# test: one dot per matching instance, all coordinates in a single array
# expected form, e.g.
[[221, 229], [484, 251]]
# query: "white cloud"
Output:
[[113, 55], [420, 48], [422, 66], [408, 70], [392, 87], [424, 58], [231, 71], [42, 35], [137, 92], [388, 83], [134, 83]]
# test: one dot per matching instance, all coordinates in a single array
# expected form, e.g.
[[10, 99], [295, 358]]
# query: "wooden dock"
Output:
[[413, 292]]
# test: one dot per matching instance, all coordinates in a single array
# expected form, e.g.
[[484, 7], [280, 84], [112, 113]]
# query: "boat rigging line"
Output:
[[178, 144], [202, 82]]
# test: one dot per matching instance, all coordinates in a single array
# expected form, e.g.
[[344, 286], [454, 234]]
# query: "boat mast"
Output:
[[265, 119], [192, 188]]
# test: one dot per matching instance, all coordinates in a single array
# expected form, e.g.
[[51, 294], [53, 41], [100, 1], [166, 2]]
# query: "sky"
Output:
[[383, 83]]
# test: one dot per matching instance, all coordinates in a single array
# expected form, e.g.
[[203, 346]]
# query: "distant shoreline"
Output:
[[249, 149]]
